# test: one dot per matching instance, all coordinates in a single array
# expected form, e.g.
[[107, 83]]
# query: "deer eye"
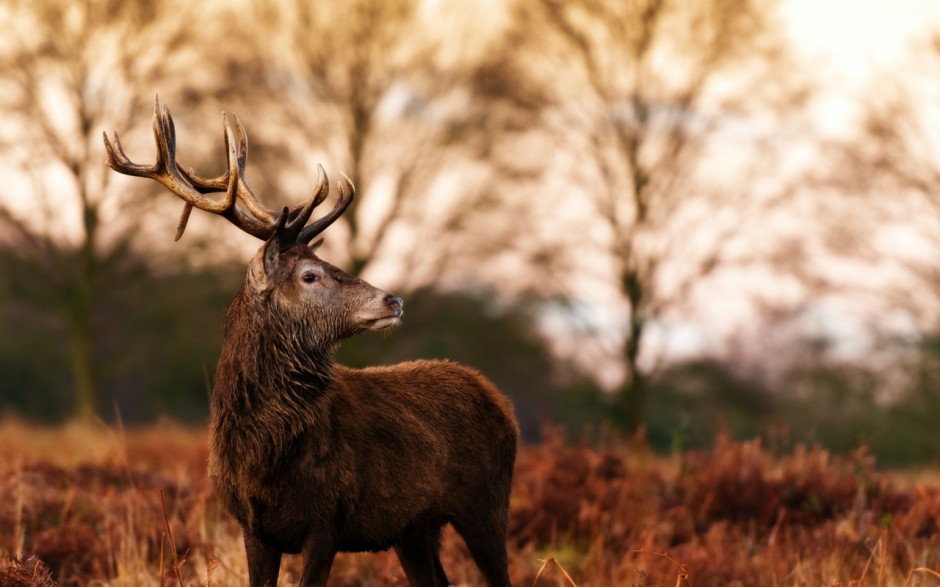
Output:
[[310, 277]]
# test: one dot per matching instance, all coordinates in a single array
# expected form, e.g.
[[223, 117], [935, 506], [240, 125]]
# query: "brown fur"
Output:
[[312, 457]]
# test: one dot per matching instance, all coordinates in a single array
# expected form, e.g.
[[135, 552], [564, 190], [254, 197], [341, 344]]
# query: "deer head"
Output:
[[285, 274]]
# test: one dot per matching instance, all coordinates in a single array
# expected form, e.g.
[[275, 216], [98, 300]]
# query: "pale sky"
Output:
[[849, 42], [851, 39]]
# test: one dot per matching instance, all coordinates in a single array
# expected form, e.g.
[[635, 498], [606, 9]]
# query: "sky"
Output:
[[849, 41], [855, 36]]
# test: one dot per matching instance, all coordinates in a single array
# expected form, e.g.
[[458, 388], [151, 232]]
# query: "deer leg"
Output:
[[418, 553], [264, 563], [318, 558], [438, 567], [485, 536]]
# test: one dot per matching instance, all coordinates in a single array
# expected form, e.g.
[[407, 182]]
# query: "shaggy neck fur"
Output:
[[272, 371]]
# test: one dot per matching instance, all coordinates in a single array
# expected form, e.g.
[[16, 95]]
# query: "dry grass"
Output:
[[104, 506]]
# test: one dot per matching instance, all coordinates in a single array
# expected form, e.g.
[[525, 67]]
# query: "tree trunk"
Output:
[[82, 333], [633, 395], [81, 363], [632, 398]]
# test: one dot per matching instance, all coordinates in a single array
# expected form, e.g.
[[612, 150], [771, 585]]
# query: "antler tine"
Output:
[[347, 193], [251, 216], [164, 170], [301, 213], [298, 216], [253, 203], [165, 129], [245, 194], [116, 155], [230, 194], [236, 139], [238, 152], [183, 221], [166, 157], [190, 187]]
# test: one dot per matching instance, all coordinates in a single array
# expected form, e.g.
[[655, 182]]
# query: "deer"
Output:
[[312, 457]]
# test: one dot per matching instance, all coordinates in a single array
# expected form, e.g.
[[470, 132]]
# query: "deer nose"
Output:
[[395, 304]]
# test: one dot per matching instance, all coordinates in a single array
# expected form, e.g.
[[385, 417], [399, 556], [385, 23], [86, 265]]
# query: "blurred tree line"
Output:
[[505, 158]]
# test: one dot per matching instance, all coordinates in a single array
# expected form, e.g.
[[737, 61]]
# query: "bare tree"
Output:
[[365, 84], [887, 177], [68, 70], [884, 181], [641, 93]]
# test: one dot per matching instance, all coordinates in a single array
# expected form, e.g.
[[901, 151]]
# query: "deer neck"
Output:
[[269, 381]]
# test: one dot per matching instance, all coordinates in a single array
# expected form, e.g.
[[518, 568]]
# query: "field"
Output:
[[108, 506]]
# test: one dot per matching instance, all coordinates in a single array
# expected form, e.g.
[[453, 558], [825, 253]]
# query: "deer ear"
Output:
[[263, 265], [271, 255]]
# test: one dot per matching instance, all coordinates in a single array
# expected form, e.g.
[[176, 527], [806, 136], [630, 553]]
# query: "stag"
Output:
[[312, 457]]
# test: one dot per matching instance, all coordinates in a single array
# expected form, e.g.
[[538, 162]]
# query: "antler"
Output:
[[255, 219]]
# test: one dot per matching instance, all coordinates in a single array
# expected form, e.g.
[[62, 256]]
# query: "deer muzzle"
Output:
[[383, 312]]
